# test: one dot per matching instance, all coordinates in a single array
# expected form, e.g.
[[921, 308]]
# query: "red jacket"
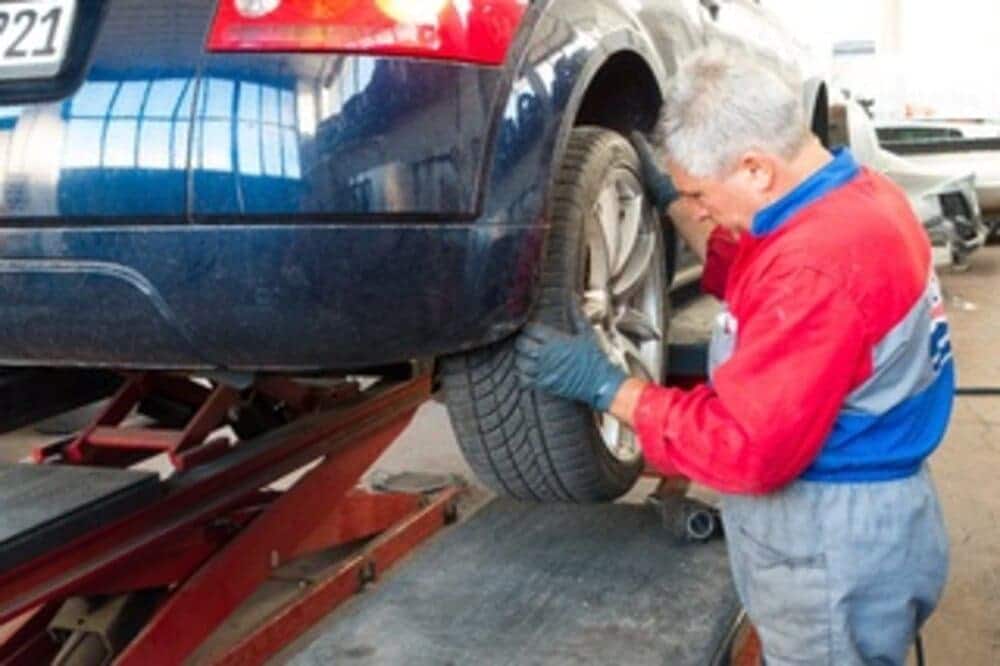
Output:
[[841, 369]]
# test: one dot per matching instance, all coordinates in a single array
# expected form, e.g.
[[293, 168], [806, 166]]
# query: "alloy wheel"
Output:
[[624, 291]]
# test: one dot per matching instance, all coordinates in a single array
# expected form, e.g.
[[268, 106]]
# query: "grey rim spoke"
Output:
[[606, 344], [636, 270], [629, 232], [609, 214], [614, 350], [599, 266], [625, 446], [611, 431], [624, 292], [595, 305], [635, 358], [638, 325]]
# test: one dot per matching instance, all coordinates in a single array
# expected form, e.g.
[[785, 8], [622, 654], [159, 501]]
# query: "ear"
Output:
[[759, 169]]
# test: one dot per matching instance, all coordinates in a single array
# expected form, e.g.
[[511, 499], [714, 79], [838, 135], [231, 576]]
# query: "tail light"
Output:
[[476, 31]]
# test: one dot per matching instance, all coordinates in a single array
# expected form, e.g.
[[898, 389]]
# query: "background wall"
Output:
[[931, 57]]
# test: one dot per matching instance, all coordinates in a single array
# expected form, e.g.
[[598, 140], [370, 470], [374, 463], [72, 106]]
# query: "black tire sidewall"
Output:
[[528, 444], [592, 154]]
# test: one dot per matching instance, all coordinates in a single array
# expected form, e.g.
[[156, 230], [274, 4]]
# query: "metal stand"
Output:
[[150, 587]]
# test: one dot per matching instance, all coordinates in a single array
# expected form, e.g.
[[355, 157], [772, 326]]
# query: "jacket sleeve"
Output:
[[719, 254], [801, 348]]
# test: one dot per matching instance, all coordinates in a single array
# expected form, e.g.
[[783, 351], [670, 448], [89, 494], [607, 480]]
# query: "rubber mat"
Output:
[[540, 584], [44, 506]]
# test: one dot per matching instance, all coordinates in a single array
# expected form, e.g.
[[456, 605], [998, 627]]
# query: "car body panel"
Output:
[[947, 205], [933, 130], [287, 135], [295, 212], [949, 146], [86, 157], [212, 301], [984, 162], [122, 249], [549, 81]]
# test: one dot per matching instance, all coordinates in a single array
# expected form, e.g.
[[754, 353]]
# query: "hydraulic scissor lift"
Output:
[[104, 561]]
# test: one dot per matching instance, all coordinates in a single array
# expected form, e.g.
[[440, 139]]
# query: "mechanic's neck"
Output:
[[811, 158]]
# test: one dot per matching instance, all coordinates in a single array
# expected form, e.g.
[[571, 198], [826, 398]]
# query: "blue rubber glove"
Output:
[[659, 187], [567, 365]]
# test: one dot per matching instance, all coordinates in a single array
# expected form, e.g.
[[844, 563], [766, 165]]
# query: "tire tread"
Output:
[[524, 444]]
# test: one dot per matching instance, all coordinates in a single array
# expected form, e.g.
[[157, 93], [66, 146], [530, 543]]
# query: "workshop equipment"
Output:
[[106, 559], [98, 562]]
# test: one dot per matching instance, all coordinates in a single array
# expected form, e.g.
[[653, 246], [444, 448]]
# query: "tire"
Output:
[[529, 445]]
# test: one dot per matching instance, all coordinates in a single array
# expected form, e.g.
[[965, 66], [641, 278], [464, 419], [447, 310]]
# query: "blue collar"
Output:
[[837, 172]]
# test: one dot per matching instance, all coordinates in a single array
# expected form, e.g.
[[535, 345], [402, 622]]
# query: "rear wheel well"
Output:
[[623, 96]]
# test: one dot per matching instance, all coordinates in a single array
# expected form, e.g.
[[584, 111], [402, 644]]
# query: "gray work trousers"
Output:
[[838, 573]]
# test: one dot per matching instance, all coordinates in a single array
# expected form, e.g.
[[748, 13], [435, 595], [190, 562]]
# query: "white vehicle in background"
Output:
[[946, 203], [928, 130], [949, 146]]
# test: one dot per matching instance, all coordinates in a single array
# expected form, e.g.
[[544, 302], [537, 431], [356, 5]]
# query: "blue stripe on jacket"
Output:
[[893, 445]]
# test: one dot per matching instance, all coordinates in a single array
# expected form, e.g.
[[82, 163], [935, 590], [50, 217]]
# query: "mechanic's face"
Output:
[[730, 200]]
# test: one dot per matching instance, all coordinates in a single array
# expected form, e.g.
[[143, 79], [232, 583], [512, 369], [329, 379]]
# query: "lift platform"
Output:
[[560, 585], [134, 540]]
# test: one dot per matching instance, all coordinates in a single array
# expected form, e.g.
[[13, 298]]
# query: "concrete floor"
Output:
[[966, 628]]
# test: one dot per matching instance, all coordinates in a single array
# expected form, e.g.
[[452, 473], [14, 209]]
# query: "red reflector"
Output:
[[477, 31]]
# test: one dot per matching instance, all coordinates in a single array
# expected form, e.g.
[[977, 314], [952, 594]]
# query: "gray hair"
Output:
[[721, 104]]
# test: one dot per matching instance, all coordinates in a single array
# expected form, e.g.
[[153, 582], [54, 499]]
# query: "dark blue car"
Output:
[[323, 186]]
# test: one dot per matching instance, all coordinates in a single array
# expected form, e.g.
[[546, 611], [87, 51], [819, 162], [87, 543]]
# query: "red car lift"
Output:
[[102, 562], [148, 569]]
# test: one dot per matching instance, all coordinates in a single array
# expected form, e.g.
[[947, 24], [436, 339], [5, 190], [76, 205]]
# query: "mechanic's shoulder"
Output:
[[830, 241], [804, 265], [814, 275]]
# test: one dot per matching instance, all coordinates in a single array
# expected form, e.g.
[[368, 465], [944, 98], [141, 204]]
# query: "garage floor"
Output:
[[966, 629]]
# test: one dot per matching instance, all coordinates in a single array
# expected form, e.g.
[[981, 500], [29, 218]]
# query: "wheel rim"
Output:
[[623, 292]]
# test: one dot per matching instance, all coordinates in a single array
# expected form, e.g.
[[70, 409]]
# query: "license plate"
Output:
[[34, 35]]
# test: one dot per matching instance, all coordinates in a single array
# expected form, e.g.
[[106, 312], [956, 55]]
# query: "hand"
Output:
[[567, 365], [659, 187]]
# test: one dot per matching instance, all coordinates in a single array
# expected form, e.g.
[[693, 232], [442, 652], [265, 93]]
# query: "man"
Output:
[[831, 376]]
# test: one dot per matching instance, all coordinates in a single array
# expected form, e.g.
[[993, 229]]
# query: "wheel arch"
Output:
[[622, 95], [618, 90], [561, 79]]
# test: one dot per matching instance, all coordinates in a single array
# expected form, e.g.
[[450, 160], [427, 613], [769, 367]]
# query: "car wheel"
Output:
[[605, 253]]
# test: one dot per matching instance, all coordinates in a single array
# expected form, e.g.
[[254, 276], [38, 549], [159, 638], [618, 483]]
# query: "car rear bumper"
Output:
[[282, 298]]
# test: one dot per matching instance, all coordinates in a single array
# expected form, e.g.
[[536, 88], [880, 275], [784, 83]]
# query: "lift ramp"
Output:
[[44, 506], [100, 561], [541, 584]]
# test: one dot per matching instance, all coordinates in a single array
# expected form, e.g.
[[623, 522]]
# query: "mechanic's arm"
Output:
[[714, 246], [662, 193], [772, 405], [626, 401]]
